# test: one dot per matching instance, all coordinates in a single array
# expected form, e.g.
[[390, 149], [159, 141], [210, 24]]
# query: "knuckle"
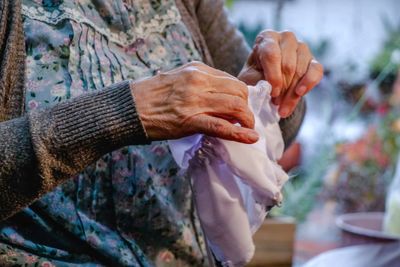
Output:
[[241, 110], [313, 79], [289, 35], [271, 53], [252, 120], [242, 88], [299, 73], [236, 104], [315, 74], [266, 34], [245, 91], [304, 50], [258, 40], [191, 75], [179, 112], [194, 64], [236, 107], [319, 68], [303, 47], [217, 127], [275, 82], [289, 68], [164, 76]]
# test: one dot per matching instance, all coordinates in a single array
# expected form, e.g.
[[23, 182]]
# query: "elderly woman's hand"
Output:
[[193, 99], [287, 64]]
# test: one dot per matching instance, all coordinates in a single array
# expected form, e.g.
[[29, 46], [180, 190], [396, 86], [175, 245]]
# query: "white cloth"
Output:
[[234, 184]]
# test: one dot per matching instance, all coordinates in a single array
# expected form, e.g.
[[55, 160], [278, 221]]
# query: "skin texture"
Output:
[[287, 64], [194, 98]]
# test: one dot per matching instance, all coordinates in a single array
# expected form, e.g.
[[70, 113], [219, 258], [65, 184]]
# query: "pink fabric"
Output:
[[235, 184]]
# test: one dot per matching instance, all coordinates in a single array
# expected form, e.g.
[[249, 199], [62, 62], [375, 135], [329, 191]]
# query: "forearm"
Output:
[[42, 149]]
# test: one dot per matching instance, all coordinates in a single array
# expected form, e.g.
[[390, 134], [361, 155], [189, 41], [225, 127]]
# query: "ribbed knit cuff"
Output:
[[100, 120], [69, 136]]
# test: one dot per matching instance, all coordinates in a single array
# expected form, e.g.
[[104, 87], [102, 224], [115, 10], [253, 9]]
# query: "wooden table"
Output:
[[274, 243]]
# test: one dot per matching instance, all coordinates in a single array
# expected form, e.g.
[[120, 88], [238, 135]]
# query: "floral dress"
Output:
[[132, 207]]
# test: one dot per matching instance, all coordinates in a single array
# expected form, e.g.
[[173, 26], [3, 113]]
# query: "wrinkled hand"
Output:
[[287, 64], [193, 99]]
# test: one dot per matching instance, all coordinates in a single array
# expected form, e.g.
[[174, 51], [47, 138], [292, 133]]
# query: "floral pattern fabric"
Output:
[[132, 207]]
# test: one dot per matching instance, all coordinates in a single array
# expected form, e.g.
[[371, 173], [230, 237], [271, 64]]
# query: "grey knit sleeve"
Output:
[[44, 148], [290, 126], [226, 44]]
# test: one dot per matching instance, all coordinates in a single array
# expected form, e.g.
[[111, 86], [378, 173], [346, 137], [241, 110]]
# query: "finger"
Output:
[[289, 47], [229, 86], [221, 128], [231, 108], [304, 58], [270, 59], [312, 77], [289, 104], [277, 100]]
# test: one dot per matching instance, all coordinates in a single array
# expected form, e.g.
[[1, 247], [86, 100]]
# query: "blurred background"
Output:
[[345, 157]]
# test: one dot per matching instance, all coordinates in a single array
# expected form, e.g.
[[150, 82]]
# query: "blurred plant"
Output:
[[250, 32], [385, 56], [364, 168], [301, 190], [320, 48], [367, 152], [357, 183], [389, 132], [229, 3]]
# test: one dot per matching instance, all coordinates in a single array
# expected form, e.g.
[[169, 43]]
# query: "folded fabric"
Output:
[[235, 185]]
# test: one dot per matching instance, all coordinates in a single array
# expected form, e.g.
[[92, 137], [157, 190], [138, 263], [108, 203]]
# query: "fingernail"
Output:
[[301, 90], [277, 101], [253, 136], [284, 112], [275, 92]]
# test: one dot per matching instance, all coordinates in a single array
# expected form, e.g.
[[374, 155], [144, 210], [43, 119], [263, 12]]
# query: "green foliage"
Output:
[[229, 3], [302, 190], [392, 43], [250, 32], [319, 48], [389, 132]]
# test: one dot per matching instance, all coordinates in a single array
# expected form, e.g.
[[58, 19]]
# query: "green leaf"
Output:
[[56, 68], [38, 57], [229, 3], [64, 51]]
